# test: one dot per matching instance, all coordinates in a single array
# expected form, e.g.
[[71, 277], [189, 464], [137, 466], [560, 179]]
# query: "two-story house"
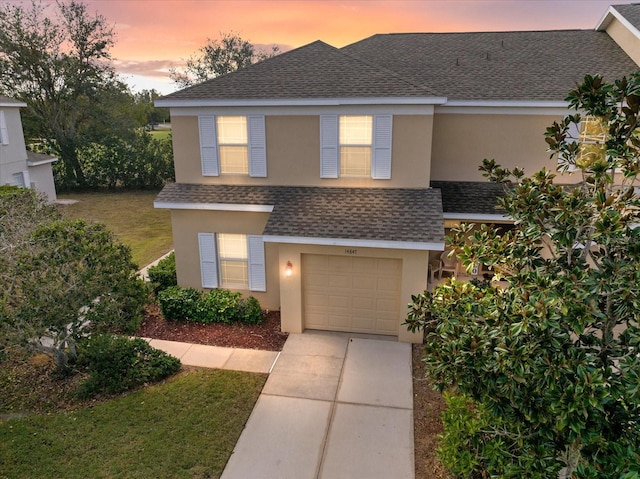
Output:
[[320, 180], [17, 165]]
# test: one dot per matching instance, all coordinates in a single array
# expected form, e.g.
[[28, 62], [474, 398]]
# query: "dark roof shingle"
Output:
[[522, 65], [631, 12], [377, 214], [316, 70], [470, 197]]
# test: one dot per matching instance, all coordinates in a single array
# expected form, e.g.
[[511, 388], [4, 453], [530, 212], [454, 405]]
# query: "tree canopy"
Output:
[[61, 279], [219, 57], [546, 358]]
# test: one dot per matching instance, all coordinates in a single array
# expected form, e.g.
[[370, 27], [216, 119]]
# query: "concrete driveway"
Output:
[[335, 406]]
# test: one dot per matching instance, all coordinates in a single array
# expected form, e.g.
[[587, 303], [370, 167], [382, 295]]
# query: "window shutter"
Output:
[[328, 146], [209, 146], [257, 276], [208, 260], [381, 160], [257, 146], [4, 132]]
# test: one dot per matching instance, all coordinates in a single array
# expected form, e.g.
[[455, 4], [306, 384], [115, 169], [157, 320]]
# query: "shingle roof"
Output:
[[631, 12], [316, 70], [533, 65], [377, 214], [469, 197]]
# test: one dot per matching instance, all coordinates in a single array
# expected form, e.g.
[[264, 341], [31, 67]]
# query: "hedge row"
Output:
[[216, 306]]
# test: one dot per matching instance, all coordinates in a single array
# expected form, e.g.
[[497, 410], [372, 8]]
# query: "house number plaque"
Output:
[[350, 251]]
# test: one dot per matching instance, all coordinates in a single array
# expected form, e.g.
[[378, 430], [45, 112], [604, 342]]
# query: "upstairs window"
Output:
[[355, 145], [355, 136], [233, 145]]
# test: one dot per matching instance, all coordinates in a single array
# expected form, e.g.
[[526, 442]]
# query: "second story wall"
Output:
[[625, 38], [461, 140], [292, 141]]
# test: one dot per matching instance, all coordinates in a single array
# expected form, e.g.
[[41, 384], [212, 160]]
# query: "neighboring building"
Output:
[[17, 165], [320, 180]]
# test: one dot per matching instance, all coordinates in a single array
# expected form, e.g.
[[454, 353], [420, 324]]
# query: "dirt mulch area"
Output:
[[266, 336], [428, 405]]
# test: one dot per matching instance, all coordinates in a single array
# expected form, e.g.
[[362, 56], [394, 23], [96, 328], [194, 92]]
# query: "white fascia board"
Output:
[[509, 103], [305, 110], [359, 243], [608, 18], [41, 162], [13, 105], [213, 207], [476, 217], [171, 103]]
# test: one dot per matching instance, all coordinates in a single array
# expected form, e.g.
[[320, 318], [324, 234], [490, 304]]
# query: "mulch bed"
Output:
[[266, 336]]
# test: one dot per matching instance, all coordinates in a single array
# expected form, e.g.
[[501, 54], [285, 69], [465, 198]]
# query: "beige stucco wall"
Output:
[[293, 153], [462, 141], [625, 39], [186, 225], [414, 280]]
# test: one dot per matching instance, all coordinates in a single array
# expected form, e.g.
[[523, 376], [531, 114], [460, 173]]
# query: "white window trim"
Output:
[[210, 262], [4, 131], [256, 145], [381, 155]]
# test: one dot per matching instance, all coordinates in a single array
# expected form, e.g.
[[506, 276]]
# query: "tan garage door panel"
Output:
[[345, 293]]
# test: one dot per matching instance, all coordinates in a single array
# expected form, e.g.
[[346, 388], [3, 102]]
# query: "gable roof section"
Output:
[[629, 13], [375, 217], [524, 65], [316, 70]]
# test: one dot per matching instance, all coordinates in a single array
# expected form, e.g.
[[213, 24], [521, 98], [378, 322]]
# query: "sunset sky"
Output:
[[152, 35]]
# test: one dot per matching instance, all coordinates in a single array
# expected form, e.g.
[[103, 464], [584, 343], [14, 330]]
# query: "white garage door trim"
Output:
[[351, 293]]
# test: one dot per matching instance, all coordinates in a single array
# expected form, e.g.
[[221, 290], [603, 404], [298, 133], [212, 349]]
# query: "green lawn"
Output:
[[160, 134], [184, 428], [131, 216]]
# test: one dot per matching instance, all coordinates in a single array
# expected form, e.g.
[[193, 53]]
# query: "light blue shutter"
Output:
[[257, 275], [4, 132], [257, 146], [209, 146], [381, 160], [208, 260], [328, 146]]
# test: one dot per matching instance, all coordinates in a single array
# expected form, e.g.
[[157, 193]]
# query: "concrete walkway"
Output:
[[335, 406]]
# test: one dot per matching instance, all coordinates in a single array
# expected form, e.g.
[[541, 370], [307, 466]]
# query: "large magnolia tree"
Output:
[[545, 364]]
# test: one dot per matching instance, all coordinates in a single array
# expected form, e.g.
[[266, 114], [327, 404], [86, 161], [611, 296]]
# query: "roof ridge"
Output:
[[390, 72]]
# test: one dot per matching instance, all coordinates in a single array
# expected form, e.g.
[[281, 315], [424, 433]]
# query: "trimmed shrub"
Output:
[[218, 306], [163, 275], [215, 306], [117, 364], [178, 303], [250, 311]]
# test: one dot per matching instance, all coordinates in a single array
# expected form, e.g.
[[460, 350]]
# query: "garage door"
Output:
[[346, 293]]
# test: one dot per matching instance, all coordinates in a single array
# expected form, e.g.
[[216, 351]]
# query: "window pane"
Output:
[[232, 130], [355, 160], [234, 159], [232, 246], [234, 273], [356, 130]]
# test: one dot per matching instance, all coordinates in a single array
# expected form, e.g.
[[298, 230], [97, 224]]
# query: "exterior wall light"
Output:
[[288, 269]]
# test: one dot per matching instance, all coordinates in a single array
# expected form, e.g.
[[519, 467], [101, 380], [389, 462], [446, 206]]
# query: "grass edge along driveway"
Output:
[[185, 427]]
